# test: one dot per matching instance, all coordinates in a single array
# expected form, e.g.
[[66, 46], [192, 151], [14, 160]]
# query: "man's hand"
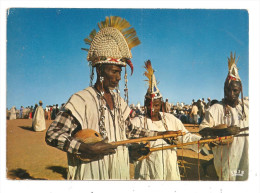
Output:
[[137, 150], [220, 131], [222, 142], [96, 151]]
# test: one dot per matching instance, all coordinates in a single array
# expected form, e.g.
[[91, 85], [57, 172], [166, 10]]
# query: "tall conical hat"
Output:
[[232, 68], [113, 43], [152, 92]]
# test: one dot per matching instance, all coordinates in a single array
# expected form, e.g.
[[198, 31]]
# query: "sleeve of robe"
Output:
[[136, 129], [208, 121], [188, 137], [59, 134]]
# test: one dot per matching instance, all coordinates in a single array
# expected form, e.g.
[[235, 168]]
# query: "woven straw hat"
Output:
[[113, 43], [109, 46]]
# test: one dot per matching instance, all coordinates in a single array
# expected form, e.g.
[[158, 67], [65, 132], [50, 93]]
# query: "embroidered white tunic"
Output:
[[38, 122], [231, 161], [162, 165], [85, 107]]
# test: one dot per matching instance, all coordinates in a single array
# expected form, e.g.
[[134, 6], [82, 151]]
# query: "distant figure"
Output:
[[26, 112], [167, 106], [204, 102], [57, 110], [13, 113], [38, 122], [31, 112], [194, 113], [34, 109], [53, 112], [46, 112], [209, 103], [49, 113], [201, 111], [21, 112]]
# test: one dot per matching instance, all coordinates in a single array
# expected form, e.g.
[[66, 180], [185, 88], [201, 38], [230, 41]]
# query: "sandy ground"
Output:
[[29, 157]]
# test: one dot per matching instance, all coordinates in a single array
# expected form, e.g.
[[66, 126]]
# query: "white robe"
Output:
[[162, 165], [12, 113], [84, 106], [38, 122], [234, 163]]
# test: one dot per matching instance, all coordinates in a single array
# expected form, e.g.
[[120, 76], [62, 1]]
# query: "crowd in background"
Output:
[[28, 112], [188, 113]]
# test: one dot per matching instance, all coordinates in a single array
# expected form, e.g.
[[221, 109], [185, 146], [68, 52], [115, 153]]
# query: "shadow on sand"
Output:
[[21, 174], [59, 170], [28, 128]]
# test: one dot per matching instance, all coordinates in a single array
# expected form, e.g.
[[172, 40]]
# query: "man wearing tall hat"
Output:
[[231, 157], [99, 107], [162, 164], [38, 122]]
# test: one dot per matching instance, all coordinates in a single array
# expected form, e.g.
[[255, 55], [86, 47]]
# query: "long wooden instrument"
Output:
[[234, 130], [144, 139], [183, 144], [190, 143], [91, 136]]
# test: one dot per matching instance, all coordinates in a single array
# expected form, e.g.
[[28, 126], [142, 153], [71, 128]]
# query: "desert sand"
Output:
[[28, 157]]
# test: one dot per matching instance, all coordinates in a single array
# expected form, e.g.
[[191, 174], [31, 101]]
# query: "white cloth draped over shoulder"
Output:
[[231, 159], [162, 165], [38, 122], [85, 106]]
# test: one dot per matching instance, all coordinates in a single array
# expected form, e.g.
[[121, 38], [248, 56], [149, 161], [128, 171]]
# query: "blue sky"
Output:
[[188, 49]]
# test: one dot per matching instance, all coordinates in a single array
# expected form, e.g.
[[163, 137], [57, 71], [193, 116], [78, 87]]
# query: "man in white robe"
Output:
[[194, 113], [162, 164], [98, 108], [38, 122], [230, 159], [12, 113]]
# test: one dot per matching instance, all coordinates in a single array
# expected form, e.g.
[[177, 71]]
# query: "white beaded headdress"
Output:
[[112, 45]]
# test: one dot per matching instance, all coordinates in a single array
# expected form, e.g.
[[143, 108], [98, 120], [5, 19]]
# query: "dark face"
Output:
[[232, 93], [112, 76], [157, 103]]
